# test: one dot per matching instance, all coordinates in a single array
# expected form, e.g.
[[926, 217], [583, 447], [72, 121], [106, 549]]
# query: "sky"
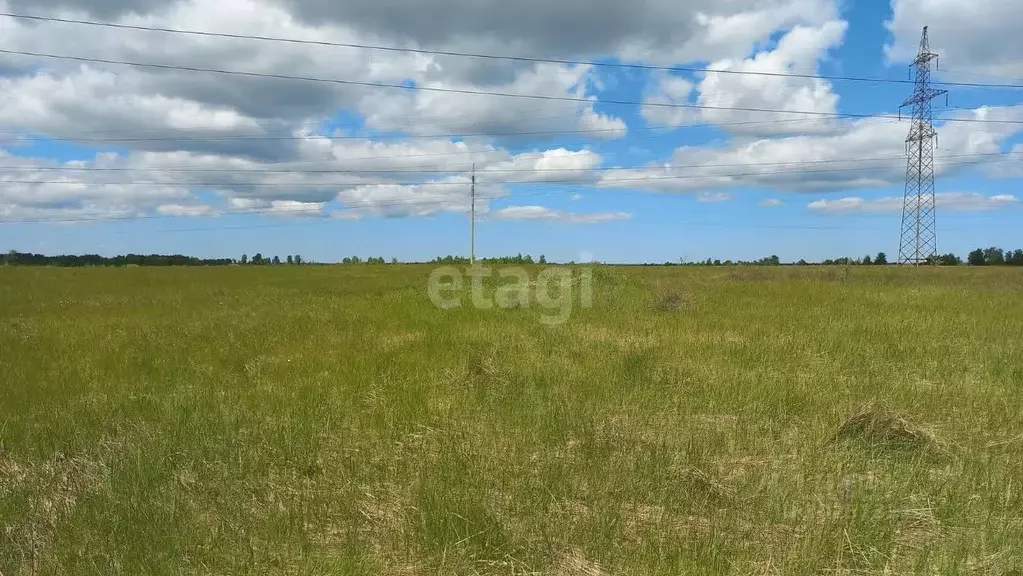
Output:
[[642, 131]]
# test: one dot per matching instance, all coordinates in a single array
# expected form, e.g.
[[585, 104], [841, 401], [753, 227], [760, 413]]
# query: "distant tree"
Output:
[[394, 260], [881, 259], [298, 260], [801, 262], [543, 259], [276, 260], [977, 258], [291, 260], [949, 259], [258, 258], [994, 256], [866, 260], [717, 262], [245, 258], [1016, 258]]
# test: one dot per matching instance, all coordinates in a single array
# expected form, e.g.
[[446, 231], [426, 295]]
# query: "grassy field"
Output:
[[331, 420]]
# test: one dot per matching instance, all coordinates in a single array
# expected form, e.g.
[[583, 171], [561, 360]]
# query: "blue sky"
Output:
[[217, 166]]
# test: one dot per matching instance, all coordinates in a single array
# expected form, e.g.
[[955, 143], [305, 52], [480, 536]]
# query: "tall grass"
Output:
[[331, 420]]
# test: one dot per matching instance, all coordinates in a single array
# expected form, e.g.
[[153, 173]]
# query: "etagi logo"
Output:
[[555, 288]]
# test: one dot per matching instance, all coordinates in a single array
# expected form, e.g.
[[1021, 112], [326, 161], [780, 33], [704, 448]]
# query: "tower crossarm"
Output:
[[924, 95]]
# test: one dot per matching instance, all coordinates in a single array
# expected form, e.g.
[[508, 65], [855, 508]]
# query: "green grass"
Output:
[[331, 420]]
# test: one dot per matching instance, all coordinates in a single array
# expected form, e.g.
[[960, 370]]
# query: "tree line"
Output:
[[992, 256], [517, 259], [259, 260], [14, 258]]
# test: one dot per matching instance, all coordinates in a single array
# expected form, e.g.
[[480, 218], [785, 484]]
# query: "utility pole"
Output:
[[472, 218], [918, 242]]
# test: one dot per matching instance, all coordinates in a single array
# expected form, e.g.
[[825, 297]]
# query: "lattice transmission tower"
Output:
[[919, 241]]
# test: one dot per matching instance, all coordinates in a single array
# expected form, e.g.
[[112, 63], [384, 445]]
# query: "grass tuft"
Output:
[[880, 425]]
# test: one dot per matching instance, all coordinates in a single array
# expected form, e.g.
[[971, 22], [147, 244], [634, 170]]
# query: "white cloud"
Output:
[[476, 114], [575, 197], [281, 208], [671, 91], [713, 197], [549, 214], [798, 50], [865, 153], [981, 36], [294, 209], [396, 200], [948, 201], [192, 210], [558, 164], [771, 202], [728, 29], [296, 170]]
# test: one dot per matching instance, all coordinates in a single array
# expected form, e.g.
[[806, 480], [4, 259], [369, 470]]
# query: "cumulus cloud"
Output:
[[396, 200], [392, 179], [193, 210], [865, 153], [549, 214], [488, 114], [771, 203], [281, 208], [980, 36], [177, 132], [286, 148], [947, 201], [652, 30], [70, 100], [662, 104], [558, 164], [800, 49]]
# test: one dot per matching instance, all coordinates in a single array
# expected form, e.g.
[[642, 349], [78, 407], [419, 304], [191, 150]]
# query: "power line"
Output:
[[355, 170], [464, 91], [384, 132], [242, 137], [230, 184], [412, 122], [285, 137], [423, 51], [664, 131]]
